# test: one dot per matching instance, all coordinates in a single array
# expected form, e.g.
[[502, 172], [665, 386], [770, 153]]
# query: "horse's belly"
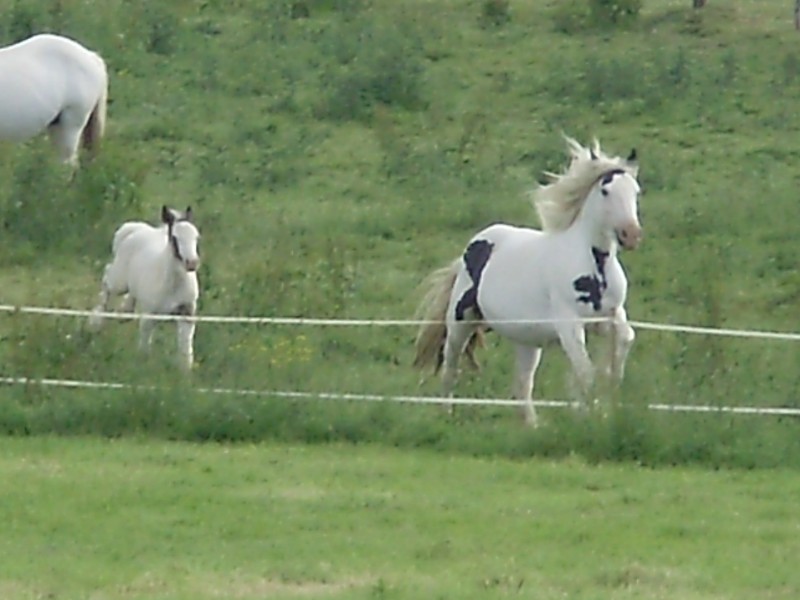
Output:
[[26, 109], [527, 331], [17, 124]]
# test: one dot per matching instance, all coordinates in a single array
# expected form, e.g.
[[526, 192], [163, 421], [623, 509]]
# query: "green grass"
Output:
[[131, 519], [334, 160]]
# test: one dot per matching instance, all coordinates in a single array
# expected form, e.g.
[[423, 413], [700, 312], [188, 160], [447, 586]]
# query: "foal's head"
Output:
[[183, 237]]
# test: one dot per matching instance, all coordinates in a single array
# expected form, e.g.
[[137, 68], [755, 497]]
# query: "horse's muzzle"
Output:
[[630, 236], [191, 265]]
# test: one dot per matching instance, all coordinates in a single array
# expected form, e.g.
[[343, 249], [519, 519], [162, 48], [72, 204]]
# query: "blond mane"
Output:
[[558, 203]]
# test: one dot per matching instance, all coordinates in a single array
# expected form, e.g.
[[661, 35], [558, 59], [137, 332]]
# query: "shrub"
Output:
[[495, 12], [614, 11], [377, 66], [574, 16]]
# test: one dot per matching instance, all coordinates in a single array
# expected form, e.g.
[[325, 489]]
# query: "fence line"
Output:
[[345, 396], [644, 325]]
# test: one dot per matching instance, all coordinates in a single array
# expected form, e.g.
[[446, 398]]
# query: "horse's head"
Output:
[[619, 191], [183, 237]]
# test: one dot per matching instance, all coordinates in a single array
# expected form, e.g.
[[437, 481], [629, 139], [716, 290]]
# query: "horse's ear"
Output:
[[167, 216], [632, 156], [592, 154], [188, 214]]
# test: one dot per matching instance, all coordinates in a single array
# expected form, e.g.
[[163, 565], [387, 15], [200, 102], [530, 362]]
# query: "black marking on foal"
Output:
[[176, 252], [590, 288], [475, 258], [184, 309]]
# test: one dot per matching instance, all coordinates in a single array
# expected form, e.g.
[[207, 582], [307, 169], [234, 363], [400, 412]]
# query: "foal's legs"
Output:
[[186, 329], [146, 328], [112, 284], [527, 361], [96, 320]]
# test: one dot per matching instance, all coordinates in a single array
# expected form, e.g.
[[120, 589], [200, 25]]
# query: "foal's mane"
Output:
[[559, 202]]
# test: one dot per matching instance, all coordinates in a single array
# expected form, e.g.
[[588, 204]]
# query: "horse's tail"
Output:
[[433, 310], [96, 125]]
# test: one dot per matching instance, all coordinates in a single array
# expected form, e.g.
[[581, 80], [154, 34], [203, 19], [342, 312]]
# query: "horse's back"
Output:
[[495, 257], [129, 233], [510, 281], [502, 233], [42, 75]]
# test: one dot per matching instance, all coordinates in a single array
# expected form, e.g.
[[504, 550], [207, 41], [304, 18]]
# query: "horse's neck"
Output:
[[587, 227], [170, 271]]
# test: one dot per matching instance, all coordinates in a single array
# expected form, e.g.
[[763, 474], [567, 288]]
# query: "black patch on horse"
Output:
[[600, 258], [475, 258], [590, 288], [610, 175]]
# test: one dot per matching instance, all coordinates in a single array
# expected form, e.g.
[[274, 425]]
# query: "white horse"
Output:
[[52, 82], [534, 287], [157, 268]]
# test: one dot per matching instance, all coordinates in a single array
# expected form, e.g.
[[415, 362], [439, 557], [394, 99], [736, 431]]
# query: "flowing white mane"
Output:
[[559, 202]]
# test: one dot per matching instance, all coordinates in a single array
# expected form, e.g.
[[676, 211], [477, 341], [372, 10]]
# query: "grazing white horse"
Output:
[[157, 268], [52, 82], [535, 287]]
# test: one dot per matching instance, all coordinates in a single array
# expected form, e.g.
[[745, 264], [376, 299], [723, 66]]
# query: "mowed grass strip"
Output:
[[87, 518]]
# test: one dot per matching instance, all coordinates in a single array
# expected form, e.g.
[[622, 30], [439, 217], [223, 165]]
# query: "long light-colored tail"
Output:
[[433, 309], [96, 125]]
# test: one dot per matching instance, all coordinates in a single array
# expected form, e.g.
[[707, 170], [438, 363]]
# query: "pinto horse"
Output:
[[534, 287]]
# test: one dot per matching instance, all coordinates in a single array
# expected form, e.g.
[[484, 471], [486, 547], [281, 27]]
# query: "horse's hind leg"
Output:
[[65, 136], [526, 363], [108, 287], [96, 319], [458, 335], [146, 328], [128, 303]]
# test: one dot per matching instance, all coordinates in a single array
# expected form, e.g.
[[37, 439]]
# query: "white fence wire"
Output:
[[663, 327], [295, 395], [644, 325]]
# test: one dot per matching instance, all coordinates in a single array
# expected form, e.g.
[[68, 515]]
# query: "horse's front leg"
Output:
[[622, 337], [185, 330], [146, 328], [527, 360], [572, 336]]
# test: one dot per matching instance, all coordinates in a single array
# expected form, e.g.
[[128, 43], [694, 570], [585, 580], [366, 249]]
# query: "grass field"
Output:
[[127, 519], [335, 152], [334, 158]]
